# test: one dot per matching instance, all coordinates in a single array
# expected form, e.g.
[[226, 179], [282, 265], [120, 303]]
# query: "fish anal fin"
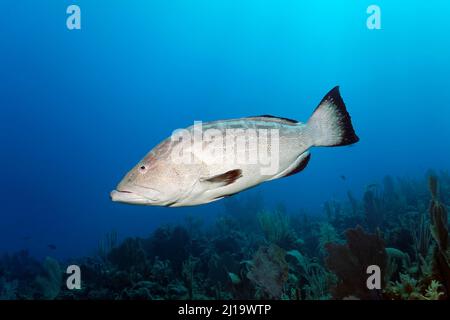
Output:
[[301, 165], [224, 179]]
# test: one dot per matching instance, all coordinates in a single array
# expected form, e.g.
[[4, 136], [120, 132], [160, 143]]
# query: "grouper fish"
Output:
[[213, 160]]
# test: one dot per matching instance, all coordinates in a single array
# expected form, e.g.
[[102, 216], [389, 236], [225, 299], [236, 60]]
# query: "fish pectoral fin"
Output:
[[223, 179]]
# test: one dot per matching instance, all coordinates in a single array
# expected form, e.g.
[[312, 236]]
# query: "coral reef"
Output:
[[373, 207], [313, 280], [50, 281], [350, 261], [269, 271], [439, 231], [252, 251], [276, 228]]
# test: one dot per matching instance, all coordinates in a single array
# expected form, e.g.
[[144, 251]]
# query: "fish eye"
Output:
[[142, 169]]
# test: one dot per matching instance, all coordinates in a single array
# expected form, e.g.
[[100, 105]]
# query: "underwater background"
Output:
[[80, 107]]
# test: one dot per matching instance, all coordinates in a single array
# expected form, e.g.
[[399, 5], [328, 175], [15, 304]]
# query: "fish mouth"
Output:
[[126, 196], [123, 191]]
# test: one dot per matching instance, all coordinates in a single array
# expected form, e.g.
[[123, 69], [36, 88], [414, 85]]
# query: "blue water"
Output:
[[79, 108]]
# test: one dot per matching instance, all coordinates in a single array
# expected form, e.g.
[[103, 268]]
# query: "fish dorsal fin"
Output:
[[224, 179], [275, 118]]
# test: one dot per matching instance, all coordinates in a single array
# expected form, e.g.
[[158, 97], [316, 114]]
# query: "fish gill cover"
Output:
[[89, 88]]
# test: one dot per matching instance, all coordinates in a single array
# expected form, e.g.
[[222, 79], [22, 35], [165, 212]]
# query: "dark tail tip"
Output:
[[332, 114], [349, 135]]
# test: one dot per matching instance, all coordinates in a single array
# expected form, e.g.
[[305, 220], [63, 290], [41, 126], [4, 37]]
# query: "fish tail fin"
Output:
[[330, 124]]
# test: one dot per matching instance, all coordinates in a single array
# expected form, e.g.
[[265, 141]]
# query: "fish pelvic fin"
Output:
[[330, 124]]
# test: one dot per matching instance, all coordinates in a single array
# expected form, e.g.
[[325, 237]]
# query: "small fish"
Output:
[[51, 247], [343, 177], [159, 180]]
